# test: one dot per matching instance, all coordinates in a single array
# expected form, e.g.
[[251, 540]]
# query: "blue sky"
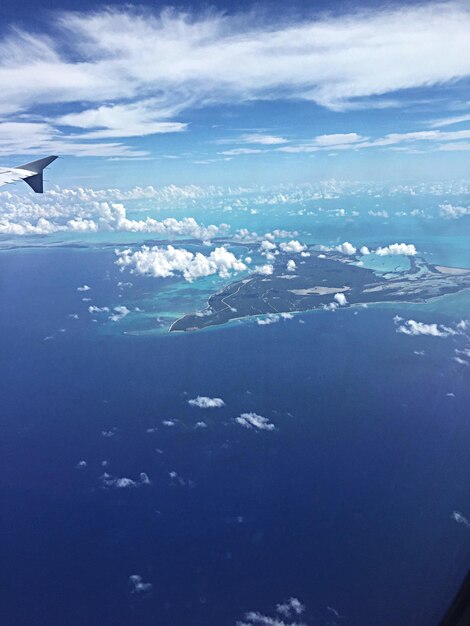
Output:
[[135, 95]]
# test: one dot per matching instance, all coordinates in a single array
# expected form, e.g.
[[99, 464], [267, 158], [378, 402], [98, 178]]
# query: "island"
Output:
[[323, 280]]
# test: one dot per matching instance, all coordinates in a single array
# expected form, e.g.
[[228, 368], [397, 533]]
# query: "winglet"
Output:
[[35, 181]]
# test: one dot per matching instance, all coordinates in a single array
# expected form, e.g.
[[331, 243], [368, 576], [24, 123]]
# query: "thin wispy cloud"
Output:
[[130, 72]]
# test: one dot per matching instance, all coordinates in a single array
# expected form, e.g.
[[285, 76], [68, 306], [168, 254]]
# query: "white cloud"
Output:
[[291, 266], [407, 249], [267, 246], [176, 479], [266, 269], [292, 606], [84, 288], [460, 519], [449, 121], [340, 299], [287, 316], [124, 483], [336, 613], [39, 137], [122, 120], [144, 479], [271, 318], [119, 313], [338, 139], [138, 585], [289, 610], [241, 151], [346, 248], [98, 309], [85, 210], [163, 262], [119, 483], [411, 327], [437, 139], [253, 420], [459, 146], [382, 213], [255, 617], [203, 402], [451, 211], [154, 66], [292, 246], [260, 138], [364, 250]]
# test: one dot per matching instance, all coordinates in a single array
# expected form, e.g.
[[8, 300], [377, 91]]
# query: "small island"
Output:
[[316, 283]]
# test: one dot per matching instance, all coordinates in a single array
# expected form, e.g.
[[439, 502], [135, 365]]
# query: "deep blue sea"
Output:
[[346, 504]]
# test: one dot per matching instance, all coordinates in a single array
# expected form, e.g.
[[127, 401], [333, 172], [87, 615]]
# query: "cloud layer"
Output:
[[83, 211]]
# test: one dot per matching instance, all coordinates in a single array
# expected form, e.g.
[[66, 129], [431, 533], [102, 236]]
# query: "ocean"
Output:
[[346, 504]]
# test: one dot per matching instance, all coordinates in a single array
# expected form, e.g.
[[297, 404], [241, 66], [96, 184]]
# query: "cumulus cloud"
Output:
[[203, 402], [289, 610], [98, 309], [340, 299], [162, 262], [87, 211], [382, 213], [176, 479], [396, 249], [84, 288], [272, 318], [124, 483], [346, 248], [119, 313], [267, 246], [293, 606], [413, 328], [292, 246], [256, 618], [453, 212], [460, 519], [266, 269], [291, 266], [138, 585], [255, 421]]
